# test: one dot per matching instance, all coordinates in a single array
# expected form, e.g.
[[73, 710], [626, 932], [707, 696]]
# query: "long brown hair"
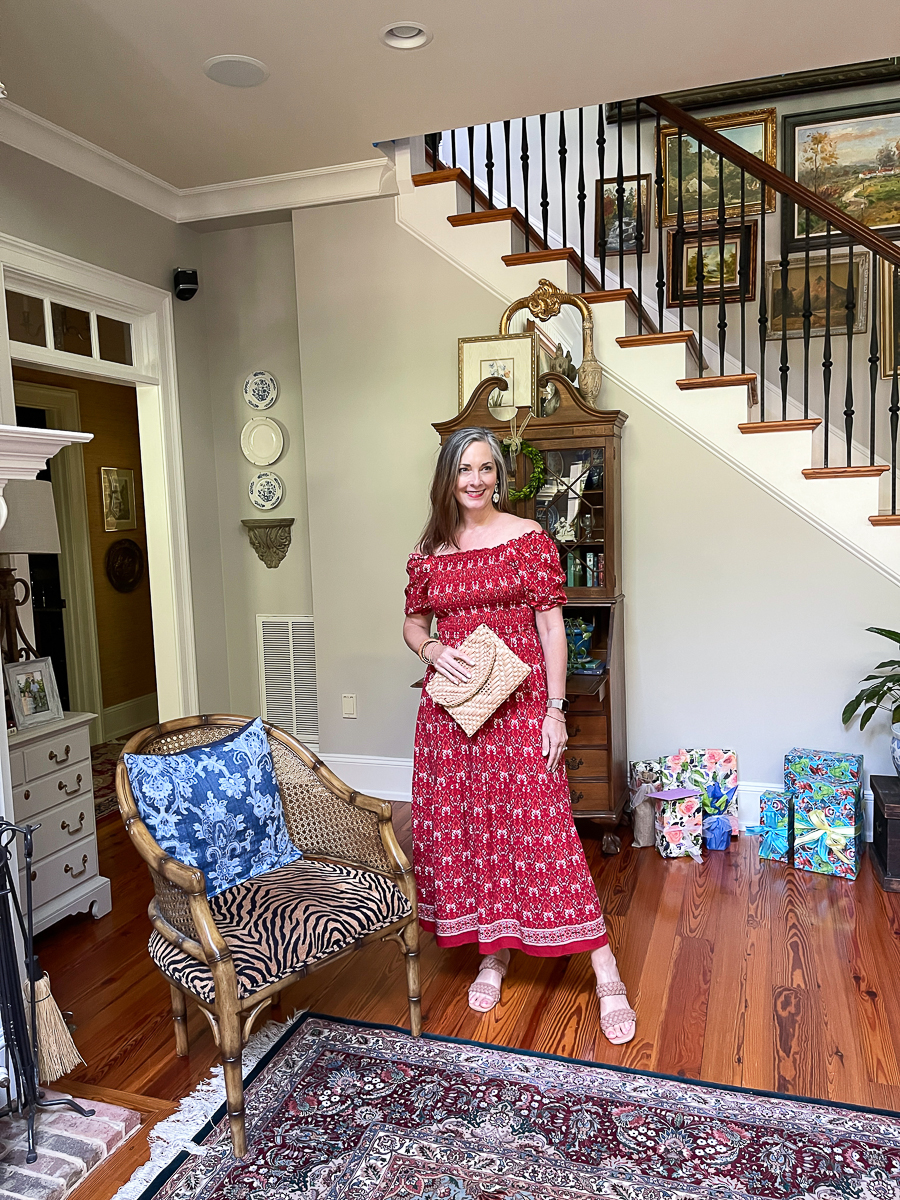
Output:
[[444, 517]]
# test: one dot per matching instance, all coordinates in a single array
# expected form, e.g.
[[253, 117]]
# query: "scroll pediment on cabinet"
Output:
[[572, 410]]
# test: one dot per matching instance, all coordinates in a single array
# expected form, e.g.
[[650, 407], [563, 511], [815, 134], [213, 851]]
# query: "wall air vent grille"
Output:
[[286, 649]]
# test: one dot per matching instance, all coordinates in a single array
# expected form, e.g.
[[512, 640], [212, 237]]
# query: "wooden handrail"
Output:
[[860, 234]]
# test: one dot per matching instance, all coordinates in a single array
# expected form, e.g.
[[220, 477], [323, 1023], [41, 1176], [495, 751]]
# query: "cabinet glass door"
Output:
[[570, 507]]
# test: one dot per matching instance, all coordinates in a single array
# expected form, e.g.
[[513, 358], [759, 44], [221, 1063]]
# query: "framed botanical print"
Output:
[[32, 691], [119, 510], [754, 131], [723, 265], [786, 307], [607, 205], [888, 318], [850, 157], [513, 357]]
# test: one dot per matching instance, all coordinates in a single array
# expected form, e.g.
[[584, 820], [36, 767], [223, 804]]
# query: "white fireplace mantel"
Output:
[[25, 451]]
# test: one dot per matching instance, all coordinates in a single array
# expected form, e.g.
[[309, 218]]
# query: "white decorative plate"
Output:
[[260, 389], [262, 441], [266, 490]]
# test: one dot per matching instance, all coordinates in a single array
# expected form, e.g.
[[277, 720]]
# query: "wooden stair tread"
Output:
[[484, 216], [867, 472], [445, 175], [610, 296], [539, 256], [797, 426], [886, 519], [633, 340], [715, 381]]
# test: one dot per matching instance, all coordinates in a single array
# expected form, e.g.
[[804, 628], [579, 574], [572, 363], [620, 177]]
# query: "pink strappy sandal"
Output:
[[490, 990], [618, 1016]]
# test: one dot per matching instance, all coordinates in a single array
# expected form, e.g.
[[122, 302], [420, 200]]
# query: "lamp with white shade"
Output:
[[30, 529]]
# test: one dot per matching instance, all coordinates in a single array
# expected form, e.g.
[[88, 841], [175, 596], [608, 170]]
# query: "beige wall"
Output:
[[251, 325], [51, 208], [379, 317]]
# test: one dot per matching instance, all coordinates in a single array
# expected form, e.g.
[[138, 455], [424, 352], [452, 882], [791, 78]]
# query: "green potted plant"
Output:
[[881, 689]]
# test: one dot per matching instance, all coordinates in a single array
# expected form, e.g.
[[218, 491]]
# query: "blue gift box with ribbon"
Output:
[[775, 826]]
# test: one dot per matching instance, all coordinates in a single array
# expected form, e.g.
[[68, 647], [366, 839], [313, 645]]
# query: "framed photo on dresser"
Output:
[[33, 693]]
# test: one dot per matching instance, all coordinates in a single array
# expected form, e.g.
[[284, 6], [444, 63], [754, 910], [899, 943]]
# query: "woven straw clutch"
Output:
[[495, 676]]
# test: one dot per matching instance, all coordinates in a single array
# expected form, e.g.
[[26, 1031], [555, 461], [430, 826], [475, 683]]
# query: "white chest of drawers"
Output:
[[53, 787]]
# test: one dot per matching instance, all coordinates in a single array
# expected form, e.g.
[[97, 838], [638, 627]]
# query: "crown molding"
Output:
[[212, 202]]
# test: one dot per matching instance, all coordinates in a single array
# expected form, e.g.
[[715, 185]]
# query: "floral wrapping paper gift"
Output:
[[714, 773], [828, 818], [679, 822]]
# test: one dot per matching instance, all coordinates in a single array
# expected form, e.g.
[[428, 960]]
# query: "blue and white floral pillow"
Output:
[[216, 807]]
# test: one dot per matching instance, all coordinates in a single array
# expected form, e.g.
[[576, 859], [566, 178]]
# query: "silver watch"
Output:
[[562, 705]]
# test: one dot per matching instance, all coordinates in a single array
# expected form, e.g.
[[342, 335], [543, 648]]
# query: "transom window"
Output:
[[73, 330]]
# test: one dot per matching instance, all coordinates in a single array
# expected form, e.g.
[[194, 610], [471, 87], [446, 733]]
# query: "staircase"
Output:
[[662, 368]]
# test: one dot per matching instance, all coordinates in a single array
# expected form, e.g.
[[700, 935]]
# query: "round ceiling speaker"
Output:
[[406, 35], [236, 70]]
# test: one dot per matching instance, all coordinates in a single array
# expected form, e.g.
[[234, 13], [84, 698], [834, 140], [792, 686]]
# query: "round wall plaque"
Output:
[[125, 565]]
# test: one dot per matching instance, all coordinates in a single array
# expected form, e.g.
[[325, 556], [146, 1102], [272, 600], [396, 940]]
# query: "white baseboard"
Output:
[[748, 804], [129, 716], [386, 778]]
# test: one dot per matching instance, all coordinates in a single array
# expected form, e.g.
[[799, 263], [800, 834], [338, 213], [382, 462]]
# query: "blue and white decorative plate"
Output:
[[266, 490], [261, 390]]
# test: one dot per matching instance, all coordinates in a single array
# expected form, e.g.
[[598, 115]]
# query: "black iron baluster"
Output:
[[660, 259], [895, 389], [523, 157], [639, 221], [545, 198], [743, 268], [620, 193], [827, 361], [431, 144], [784, 366], [720, 222], [489, 163], [701, 272], [453, 148], [601, 199], [763, 319], [874, 358], [582, 194], [807, 318], [848, 391], [509, 202], [678, 270], [563, 154], [472, 165]]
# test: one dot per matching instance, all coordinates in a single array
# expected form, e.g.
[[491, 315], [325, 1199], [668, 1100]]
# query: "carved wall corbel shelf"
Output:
[[270, 537]]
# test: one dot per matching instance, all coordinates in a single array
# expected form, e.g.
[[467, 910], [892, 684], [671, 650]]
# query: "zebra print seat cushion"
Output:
[[284, 920]]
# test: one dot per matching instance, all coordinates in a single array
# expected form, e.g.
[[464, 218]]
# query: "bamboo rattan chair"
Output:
[[352, 867]]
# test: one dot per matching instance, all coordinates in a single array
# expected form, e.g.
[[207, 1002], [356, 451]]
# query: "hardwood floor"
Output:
[[742, 972]]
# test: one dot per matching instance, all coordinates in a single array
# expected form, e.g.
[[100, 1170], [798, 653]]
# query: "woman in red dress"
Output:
[[497, 857]]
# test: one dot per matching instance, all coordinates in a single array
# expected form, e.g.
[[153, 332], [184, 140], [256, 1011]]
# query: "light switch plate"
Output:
[[348, 704]]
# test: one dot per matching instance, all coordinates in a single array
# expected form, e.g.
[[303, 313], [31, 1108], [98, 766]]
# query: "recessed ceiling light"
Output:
[[236, 70], [405, 35]]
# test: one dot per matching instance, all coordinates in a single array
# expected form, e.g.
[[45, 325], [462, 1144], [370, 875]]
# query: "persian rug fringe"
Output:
[[175, 1134]]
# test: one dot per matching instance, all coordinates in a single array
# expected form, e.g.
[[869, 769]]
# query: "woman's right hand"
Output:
[[452, 664]]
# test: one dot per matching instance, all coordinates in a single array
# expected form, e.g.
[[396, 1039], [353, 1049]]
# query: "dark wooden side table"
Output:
[[884, 849]]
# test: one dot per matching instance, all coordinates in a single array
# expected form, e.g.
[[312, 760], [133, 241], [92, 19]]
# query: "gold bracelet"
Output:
[[421, 650]]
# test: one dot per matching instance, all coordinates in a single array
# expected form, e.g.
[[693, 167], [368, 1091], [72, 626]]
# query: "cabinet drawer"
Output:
[[68, 748], [580, 761], [63, 870], [17, 767], [589, 794], [587, 729], [74, 781], [62, 827]]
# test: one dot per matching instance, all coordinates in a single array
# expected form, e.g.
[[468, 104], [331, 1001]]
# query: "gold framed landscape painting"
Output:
[[786, 310], [754, 131], [721, 270], [513, 357]]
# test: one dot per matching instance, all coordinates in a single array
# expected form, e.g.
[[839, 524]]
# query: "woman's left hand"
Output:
[[554, 737]]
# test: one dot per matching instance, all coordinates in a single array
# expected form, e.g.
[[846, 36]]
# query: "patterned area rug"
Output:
[[340, 1111], [103, 768]]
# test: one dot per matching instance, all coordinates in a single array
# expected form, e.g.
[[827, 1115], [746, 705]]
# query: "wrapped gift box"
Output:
[[679, 822], [803, 768], [828, 828], [643, 780], [714, 772], [775, 826]]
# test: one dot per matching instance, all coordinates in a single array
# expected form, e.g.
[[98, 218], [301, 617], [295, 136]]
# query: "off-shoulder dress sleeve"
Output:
[[417, 588], [542, 573]]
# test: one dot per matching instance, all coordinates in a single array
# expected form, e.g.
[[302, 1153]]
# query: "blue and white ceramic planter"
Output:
[[895, 747]]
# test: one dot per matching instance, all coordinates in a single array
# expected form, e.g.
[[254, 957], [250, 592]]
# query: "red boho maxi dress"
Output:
[[497, 857]]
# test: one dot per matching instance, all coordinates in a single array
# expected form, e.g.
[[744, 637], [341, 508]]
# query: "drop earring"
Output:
[[497, 494]]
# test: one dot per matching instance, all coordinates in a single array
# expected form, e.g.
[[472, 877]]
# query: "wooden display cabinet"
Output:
[[579, 504]]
